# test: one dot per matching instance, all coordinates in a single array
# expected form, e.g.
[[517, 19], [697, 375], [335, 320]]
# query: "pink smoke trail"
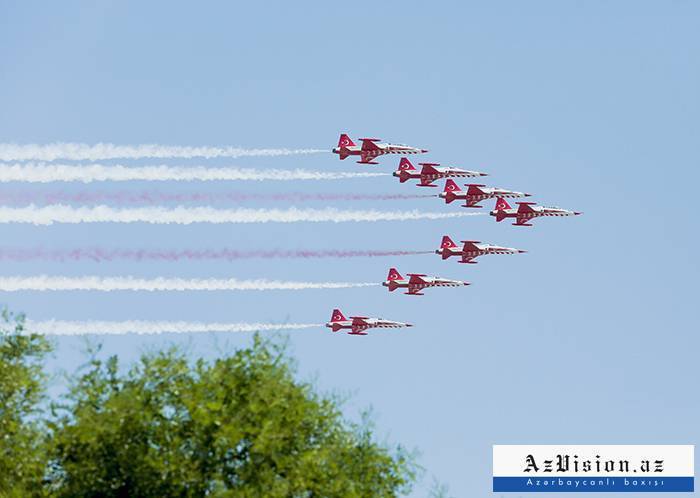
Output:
[[101, 255], [154, 197]]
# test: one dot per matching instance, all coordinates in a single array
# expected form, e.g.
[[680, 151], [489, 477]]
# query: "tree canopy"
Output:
[[241, 425], [22, 384]]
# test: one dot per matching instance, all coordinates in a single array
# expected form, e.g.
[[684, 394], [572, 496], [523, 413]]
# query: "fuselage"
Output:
[[533, 212], [404, 283], [359, 327], [445, 172], [381, 149], [475, 251], [473, 196], [527, 212]]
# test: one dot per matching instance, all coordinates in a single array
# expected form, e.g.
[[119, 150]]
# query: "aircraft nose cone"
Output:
[[521, 251], [576, 213], [424, 150]]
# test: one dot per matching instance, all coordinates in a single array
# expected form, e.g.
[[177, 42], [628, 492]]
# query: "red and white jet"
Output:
[[359, 324], [526, 212], [471, 250], [371, 148], [417, 282], [475, 193], [430, 172]]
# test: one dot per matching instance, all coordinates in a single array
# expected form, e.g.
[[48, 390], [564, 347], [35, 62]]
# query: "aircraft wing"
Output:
[[415, 282], [471, 202], [425, 181], [366, 158], [470, 245], [429, 169], [368, 144], [358, 330], [522, 221], [475, 189], [416, 278], [524, 207]]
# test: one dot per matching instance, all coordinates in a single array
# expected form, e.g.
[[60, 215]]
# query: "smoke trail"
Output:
[[149, 197], [85, 152], [45, 173], [108, 284], [99, 255], [59, 213], [59, 327]]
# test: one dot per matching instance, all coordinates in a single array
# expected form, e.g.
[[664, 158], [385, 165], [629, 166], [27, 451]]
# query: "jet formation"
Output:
[[473, 195]]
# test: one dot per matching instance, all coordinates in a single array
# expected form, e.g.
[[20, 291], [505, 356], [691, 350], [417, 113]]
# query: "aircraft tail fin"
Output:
[[393, 276], [450, 189], [405, 164], [345, 141], [502, 204], [451, 186], [337, 316], [447, 243]]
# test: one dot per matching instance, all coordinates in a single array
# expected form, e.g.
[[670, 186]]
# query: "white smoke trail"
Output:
[[45, 173], [59, 213], [100, 151], [59, 327], [108, 284]]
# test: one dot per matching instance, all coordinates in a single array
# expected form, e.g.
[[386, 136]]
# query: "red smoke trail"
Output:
[[152, 197], [101, 255]]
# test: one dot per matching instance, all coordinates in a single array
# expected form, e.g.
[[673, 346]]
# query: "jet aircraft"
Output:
[[475, 193], [417, 282], [358, 325], [430, 172], [370, 149], [471, 250], [526, 211]]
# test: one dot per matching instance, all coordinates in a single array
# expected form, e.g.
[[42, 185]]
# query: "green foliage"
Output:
[[22, 457], [240, 426]]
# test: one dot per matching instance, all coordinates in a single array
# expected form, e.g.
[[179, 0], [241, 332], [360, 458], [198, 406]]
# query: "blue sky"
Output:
[[591, 337]]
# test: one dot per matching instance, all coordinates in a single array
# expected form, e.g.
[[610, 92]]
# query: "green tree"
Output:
[[22, 384], [239, 426]]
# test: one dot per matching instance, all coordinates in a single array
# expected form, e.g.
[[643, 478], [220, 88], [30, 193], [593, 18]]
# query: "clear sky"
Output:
[[591, 337]]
